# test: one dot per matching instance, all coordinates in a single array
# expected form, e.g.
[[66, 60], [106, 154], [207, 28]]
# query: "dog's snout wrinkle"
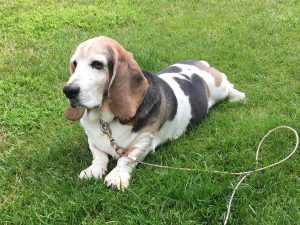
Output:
[[71, 91]]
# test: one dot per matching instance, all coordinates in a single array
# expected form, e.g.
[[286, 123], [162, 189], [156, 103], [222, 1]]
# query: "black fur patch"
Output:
[[110, 63], [196, 90], [171, 69], [159, 104], [171, 100], [185, 76]]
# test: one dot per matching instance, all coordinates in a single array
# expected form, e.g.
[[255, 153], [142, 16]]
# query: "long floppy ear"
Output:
[[127, 87], [71, 113], [74, 114]]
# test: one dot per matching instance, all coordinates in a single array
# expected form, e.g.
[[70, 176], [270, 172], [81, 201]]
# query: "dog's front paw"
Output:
[[118, 178], [96, 171]]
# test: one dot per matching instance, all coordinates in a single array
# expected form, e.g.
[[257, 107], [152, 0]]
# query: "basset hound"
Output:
[[142, 110]]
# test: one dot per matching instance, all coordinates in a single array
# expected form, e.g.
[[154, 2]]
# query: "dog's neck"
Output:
[[103, 113], [151, 99]]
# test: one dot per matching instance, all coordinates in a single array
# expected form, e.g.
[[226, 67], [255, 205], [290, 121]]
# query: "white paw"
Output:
[[236, 95], [96, 171], [118, 178]]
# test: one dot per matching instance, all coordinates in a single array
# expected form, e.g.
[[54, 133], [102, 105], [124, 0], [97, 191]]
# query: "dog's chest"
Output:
[[122, 134]]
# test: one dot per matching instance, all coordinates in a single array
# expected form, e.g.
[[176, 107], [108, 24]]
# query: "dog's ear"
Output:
[[127, 87], [71, 113], [72, 69], [74, 114]]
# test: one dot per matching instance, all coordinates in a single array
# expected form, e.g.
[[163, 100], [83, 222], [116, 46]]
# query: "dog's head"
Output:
[[101, 68]]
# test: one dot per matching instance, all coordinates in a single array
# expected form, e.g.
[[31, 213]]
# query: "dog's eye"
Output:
[[74, 63], [97, 65]]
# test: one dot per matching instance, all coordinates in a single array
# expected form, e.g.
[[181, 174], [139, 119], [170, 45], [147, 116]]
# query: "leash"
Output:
[[107, 131], [123, 152]]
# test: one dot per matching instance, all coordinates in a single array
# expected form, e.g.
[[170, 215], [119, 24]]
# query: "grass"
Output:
[[256, 43]]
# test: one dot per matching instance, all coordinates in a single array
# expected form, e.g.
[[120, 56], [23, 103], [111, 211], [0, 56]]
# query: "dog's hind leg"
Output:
[[221, 89], [235, 95]]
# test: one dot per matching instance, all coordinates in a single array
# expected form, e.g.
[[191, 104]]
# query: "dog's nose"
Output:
[[71, 91]]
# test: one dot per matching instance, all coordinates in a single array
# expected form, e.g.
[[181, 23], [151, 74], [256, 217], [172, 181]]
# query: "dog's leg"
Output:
[[99, 164], [235, 95], [223, 90], [119, 177]]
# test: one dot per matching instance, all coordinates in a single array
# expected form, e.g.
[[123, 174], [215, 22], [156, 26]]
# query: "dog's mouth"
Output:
[[74, 103]]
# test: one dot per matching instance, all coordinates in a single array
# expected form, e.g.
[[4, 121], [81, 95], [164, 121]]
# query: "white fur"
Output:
[[92, 82]]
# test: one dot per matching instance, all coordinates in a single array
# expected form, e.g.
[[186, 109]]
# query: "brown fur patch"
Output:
[[105, 106], [152, 127], [72, 69], [74, 113], [128, 84], [217, 75]]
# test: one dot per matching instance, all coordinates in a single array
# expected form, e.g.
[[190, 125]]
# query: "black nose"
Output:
[[71, 91]]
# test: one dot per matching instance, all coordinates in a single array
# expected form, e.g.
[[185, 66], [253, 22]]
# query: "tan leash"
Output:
[[123, 152]]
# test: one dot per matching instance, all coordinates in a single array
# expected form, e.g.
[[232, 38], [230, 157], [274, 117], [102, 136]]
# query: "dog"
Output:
[[141, 110]]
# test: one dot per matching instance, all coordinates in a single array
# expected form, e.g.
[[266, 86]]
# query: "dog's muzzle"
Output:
[[71, 91]]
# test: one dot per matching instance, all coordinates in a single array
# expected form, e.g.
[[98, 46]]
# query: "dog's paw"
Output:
[[117, 179], [236, 95], [96, 171]]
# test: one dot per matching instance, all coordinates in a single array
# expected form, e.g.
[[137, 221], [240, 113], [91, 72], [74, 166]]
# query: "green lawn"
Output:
[[255, 42]]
